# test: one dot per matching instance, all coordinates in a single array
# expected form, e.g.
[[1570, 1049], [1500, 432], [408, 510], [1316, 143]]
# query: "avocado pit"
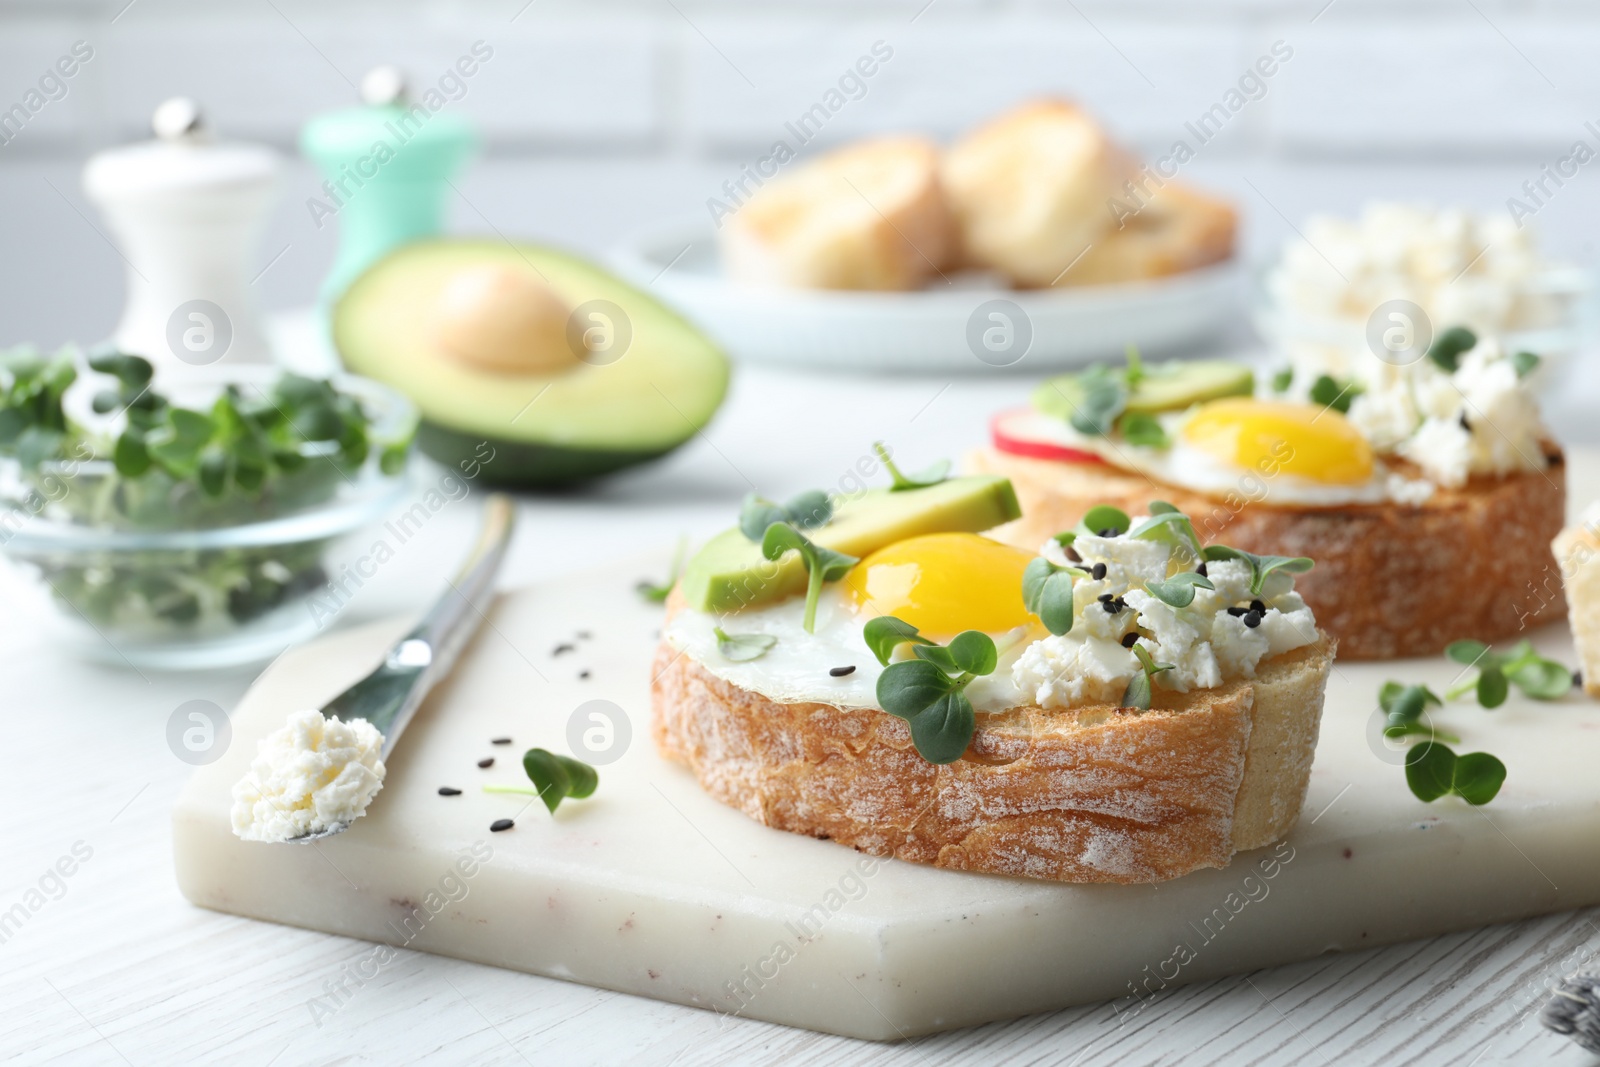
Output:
[[497, 318]]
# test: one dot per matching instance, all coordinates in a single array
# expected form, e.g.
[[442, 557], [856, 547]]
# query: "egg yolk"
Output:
[[1269, 437], [943, 584]]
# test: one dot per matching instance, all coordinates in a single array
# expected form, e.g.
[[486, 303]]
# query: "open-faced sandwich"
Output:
[[1114, 704], [1428, 493]]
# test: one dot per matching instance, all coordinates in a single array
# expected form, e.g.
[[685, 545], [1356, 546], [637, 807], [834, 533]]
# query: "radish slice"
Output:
[[1025, 432]]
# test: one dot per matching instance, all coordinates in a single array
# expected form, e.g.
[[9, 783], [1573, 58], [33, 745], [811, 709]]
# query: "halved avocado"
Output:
[[730, 572], [1165, 386], [552, 417]]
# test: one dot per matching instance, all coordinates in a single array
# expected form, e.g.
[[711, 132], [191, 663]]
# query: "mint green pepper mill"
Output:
[[388, 164]]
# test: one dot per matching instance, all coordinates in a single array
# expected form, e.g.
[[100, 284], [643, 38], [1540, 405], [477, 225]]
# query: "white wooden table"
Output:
[[111, 966]]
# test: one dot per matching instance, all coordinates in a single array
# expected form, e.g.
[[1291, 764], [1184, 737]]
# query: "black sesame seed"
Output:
[[1112, 606], [840, 672], [583, 674], [1252, 619], [500, 824], [563, 648], [1130, 639], [449, 791], [1072, 554], [1236, 611], [1201, 570], [1098, 571], [486, 762], [1577, 679], [1465, 425], [1105, 598], [1257, 605], [501, 741], [1108, 532]]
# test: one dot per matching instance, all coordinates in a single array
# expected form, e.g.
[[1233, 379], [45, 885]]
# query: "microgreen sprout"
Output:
[[1403, 707], [1496, 672], [805, 511], [1140, 428], [1332, 393], [1178, 590], [1104, 402], [1524, 363], [555, 778], [1448, 348], [886, 633], [742, 648], [929, 691], [1433, 771], [921, 480], [656, 594], [1282, 380], [1047, 592], [1260, 566], [822, 564], [1138, 693]]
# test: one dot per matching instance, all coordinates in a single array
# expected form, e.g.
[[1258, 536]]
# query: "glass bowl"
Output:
[[151, 572]]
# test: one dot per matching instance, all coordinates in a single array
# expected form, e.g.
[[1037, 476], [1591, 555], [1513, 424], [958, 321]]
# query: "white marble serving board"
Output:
[[653, 888]]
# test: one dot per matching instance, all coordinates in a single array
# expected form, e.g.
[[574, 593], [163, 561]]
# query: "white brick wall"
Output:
[[604, 115], [1370, 79]]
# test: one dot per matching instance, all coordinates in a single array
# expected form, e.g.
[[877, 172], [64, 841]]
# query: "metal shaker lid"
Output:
[[182, 157]]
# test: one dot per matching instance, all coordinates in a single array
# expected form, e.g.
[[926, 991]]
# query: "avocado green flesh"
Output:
[[1167, 386], [584, 421], [730, 573]]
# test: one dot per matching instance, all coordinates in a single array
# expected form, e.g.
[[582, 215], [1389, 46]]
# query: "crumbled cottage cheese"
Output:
[[1465, 269], [1204, 643], [310, 775], [1480, 420], [1461, 269]]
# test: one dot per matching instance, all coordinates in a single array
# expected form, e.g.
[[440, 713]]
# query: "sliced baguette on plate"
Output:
[[1177, 229], [1390, 580], [1031, 190], [868, 216], [1088, 794]]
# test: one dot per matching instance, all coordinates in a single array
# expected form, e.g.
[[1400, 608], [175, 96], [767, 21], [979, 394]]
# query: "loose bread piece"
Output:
[[1577, 550], [1391, 580], [1096, 794], [868, 216], [1031, 190], [1178, 229]]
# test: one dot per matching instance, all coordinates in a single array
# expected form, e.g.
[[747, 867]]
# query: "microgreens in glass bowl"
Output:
[[189, 523]]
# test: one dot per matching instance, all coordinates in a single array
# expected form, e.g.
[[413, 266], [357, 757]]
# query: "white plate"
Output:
[[966, 325]]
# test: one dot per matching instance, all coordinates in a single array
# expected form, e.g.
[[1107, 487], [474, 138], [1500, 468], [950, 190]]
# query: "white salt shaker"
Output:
[[187, 212]]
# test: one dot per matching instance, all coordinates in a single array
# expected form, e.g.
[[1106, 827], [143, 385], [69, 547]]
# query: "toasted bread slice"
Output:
[[869, 216], [1577, 550], [1031, 190], [1177, 229], [1391, 580], [1095, 794]]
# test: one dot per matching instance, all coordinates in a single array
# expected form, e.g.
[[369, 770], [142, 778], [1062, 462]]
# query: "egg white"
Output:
[[796, 669]]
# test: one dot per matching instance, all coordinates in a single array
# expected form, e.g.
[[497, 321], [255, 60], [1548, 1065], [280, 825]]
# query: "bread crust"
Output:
[[1578, 551], [1082, 795], [871, 215], [1391, 580], [1030, 190], [1177, 229]]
